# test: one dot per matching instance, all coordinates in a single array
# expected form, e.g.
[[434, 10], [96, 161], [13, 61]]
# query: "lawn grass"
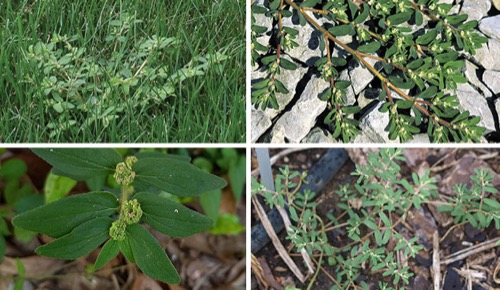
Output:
[[208, 108]]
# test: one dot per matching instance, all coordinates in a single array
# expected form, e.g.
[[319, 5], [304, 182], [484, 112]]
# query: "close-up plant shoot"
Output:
[[394, 219], [127, 201], [370, 71]]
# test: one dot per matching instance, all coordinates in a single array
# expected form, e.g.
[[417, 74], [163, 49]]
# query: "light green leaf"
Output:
[[60, 217], [169, 217], [174, 176], [150, 257], [108, 252], [80, 241], [237, 177], [210, 202], [57, 187], [80, 162]]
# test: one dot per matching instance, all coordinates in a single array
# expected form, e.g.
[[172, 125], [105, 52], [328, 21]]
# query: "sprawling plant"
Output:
[[420, 46], [129, 74], [81, 223], [372, 211]]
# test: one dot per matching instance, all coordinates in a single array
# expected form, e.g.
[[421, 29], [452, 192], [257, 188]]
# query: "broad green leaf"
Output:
[[363, 15], [108, 252], [80, 162], [237, 177], [446, 57], [149, 255], [370, 47], [174, 176], [456, 19], [13, 168], [400, 83], [342, 30], [427, 37], [419, 18], [60, 217], [286, 64], [404, 104], [227, 224], [126, 250], [342, 85], [210, 202], [156, 154], [80, 241], [468, 25], [428, 93], [169, 217], [309, 3], [399, 18], [268, 59], [57, 187]]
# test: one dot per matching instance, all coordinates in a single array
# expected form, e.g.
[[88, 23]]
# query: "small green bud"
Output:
[[117, 230], [123, 173], [131, 212]]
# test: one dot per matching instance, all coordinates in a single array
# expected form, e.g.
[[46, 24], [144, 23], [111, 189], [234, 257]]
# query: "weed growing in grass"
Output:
[[372, 211], [81, 223], [421, 48], [122, 71]]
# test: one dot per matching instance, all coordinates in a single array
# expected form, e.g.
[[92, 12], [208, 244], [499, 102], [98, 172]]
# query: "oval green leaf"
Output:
[[61, 217], [79, 242], [174, 176], [108, 252], [79, 162], [169, 217], [342, 30], [149, 255], [370, 47]]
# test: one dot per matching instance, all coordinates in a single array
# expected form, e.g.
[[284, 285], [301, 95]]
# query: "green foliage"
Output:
[[414, 55], [371, 210], [81, 223]]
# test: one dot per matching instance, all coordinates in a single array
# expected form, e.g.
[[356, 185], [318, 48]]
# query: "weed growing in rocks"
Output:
[[416, 50]]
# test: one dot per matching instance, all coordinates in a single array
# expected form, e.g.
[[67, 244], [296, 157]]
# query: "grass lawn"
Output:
[[122, 71]]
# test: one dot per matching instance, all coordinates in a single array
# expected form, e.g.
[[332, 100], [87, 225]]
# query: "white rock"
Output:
[[260, 123], [278, 134], [470, 73], [476, 104], [302, 117], [491, 26], [421, 138], [487, 55], [476, 9], [317, 135], [496, 3], [308, 39], [492, 80], [374, 124], [361, 76]]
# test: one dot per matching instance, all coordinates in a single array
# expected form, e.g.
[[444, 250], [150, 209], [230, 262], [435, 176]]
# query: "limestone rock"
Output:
[[476, 104], [361, 76], [492, 80], [470, 73], [260, 123], [491, 26], [476, 9], [350, 96], [302, 117], [373, 124], [487, 55], [308, 39], [278, 134], [317, 135], [421, 138], [496, 3]]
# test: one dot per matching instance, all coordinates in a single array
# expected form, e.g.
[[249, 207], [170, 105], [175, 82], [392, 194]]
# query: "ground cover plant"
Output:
[[420, 47], [121, 196], [122, 71], [387, 226]]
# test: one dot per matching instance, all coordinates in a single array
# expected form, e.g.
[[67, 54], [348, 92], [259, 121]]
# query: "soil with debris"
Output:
[[204, 261], [449, 167]]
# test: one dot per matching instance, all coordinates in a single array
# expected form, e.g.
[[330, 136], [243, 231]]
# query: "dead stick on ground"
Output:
[[276, 157], [275, 240], [435, 260], [460, 255], [303, 252]]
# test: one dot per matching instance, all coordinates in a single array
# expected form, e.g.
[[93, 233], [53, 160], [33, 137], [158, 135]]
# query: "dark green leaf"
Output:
[[174, 176], [3, 246], [237, 177], [428, 93], [268, 59], [418, 17], [404, 104], [157, 154], [13, 168], [400, 83], [149, 255], [456, 19], [352, 8], [338, 61], [108, 252], [60, 217], [273, 5], [363, 15], [81, 162], [415, 64], [399, 18], [126, 250], [427, 38], [258, 9], [370, 47], [342, 30], [280, 87], [309, 3], [342, 85], [446, 57], [468, 25], [286, 64], [169, 217], [80, 241]]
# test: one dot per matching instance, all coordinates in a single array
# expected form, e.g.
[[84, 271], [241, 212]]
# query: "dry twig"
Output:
[[435, 261], [460, 255]]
